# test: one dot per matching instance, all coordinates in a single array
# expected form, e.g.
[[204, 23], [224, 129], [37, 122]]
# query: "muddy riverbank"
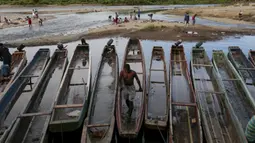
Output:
[[144, 29]]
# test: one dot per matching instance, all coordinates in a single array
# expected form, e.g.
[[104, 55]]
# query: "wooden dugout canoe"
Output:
[[185, 125], [130, 126], [100, 122], [156, 115]]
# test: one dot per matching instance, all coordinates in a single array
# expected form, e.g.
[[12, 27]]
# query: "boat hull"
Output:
[[100, 122], [33, 125], [20, 92], [251, 56], [217, 118], [72, 100], [134, 57], [244, 67], [156, 116], [185, 124], [237, 92]]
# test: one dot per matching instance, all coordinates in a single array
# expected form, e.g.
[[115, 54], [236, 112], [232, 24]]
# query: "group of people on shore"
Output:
[[35, 16], [27, 18], [118, 19], [6, 20], [187, 19]]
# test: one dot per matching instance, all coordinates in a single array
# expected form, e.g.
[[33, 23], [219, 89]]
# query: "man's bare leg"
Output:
[[131, 107], [127, 101]]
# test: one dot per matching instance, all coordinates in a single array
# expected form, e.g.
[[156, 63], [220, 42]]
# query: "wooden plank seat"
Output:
[[78, 68], [202, 65], [177, 72], [68, 106], [158, 82], [29, 76], [98, 125], [201, 79], [77, 84], [33, 114], [157, 70], [211, 92], [183, 104], [230, 79], [249, 69], [178, 60], [139, 73], [134, 57]]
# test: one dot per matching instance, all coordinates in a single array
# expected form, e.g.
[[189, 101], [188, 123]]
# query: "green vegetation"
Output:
[[111, 2]]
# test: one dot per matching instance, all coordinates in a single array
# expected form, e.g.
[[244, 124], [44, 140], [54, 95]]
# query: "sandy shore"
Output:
[[157, 30], [19, 20], [226, 14]]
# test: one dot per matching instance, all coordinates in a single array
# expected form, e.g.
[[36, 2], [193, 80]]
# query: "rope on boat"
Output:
[[161, 134]]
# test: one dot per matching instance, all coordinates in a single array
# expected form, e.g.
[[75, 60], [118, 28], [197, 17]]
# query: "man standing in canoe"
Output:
[[128, 87]]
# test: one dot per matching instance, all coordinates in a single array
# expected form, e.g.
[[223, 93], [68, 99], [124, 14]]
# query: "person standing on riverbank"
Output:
[[116, 18], [134, 14], [40, 21], [186, 19], [139, 12], [194, 19], [29, 20], [6, 20], [150, 15], [240, 15]]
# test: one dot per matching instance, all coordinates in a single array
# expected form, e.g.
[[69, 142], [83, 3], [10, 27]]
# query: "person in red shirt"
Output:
[[126, 80], [29, 21], [194, 19], [126, 20]]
